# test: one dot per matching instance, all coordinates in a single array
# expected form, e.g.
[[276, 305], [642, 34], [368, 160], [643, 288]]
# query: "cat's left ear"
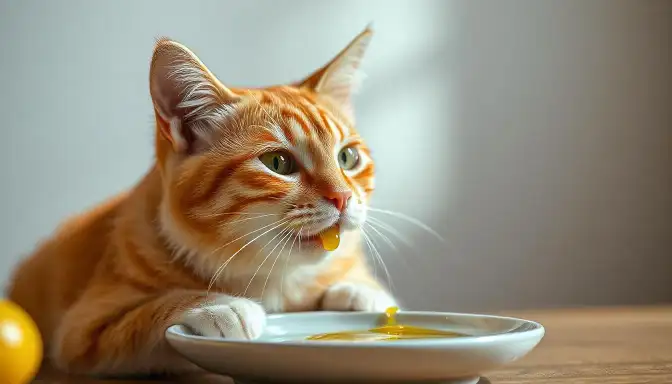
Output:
[[341, 77]]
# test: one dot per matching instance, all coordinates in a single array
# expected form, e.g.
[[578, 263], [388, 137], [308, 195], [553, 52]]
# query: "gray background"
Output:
[[536, 136]]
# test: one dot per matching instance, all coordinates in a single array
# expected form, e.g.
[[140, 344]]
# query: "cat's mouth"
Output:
[[328, 238], [328, 234], [315, 235]]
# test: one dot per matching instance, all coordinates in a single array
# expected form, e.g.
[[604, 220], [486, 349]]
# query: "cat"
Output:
[[221, 230]]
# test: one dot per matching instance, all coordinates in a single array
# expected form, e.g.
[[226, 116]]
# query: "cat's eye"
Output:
[[348, 158], [279, 162]]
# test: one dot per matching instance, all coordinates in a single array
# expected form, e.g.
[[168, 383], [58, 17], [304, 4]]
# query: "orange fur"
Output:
[[107, 284]]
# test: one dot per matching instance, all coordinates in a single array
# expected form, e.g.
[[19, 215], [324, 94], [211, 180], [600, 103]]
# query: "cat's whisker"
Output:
[[288, 237], [382, 235], [247, 234], [389, 242], [375, 264], [221, 268], [382, 261], [263, 261], [218, 214], [300, 238], [231, 258], [377, 255], [374, 221], [251, 218], [377, 260], [289, 255], [281, 200], [410, 220], [269, 242]]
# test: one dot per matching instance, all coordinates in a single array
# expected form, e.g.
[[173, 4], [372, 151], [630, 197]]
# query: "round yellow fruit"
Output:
[[20, 345]]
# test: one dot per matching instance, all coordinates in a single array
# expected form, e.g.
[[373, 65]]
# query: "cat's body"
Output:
[[221, 230]]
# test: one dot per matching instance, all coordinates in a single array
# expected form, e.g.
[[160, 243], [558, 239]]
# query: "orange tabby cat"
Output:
[[221, 230]]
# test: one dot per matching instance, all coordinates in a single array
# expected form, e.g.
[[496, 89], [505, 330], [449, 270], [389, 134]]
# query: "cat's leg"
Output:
[[357, 291], [121, 332]]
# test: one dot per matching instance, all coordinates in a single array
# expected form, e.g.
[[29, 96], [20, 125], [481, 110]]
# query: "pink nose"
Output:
[[339, 199]]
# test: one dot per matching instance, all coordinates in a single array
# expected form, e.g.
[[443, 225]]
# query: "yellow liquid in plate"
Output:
[[390, 331], [331, 238]]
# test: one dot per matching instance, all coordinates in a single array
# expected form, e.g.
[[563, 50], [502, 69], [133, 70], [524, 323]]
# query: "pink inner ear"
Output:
[[165, 89], [185, 94], [340, 78]]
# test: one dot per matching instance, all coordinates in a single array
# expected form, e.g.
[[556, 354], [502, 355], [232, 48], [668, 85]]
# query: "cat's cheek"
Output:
[[354, 217], [347, 296]]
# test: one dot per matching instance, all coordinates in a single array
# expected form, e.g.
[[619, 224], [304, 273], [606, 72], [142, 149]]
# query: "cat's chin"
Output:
[[312, 251]]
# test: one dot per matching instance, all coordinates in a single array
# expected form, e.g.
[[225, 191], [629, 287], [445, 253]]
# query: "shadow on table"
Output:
[[52, 376], [200, 379], [483, 380]]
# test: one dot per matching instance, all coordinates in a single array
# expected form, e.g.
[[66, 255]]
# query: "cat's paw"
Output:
[[347, 296], [228, 317]]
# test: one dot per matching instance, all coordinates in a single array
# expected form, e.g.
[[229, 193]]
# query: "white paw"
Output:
[[348, 296], [228, 317]]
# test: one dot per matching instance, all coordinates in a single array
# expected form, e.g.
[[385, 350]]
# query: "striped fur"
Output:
[[210, 229]]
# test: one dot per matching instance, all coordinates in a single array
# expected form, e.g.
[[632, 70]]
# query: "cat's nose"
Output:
[[339, 199]]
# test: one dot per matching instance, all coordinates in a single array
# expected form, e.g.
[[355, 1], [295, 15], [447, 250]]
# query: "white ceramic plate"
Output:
[[283, 354]]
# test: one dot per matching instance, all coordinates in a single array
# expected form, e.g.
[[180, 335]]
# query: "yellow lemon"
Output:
[[20, 345]]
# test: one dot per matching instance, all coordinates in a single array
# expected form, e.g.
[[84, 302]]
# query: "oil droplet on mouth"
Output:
[[331, 238]]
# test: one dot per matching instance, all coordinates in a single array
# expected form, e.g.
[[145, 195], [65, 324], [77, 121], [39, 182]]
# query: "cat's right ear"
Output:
[[186, 95]]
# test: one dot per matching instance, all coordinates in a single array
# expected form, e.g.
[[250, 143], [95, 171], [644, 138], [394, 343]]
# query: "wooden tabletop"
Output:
[[586, 346], [581, 346]]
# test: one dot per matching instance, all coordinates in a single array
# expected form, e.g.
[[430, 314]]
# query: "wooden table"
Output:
[[582, 346]]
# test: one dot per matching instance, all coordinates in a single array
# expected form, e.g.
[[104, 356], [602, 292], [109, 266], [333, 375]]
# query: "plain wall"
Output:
[[535, 136]]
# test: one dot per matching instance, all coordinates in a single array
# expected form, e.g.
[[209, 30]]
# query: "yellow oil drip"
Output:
[[390, 331], [331, 238], [391, 316]]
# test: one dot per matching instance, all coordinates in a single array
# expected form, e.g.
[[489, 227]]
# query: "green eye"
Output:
[[279, 162], [348, 158]]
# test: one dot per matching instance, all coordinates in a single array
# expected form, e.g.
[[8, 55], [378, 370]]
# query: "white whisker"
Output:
[[368, 244], [289, 255], [262, 263], [389, 242], [288, 237], [410, 220], [217, 214], [221, 268], [380, 258], [247, 234], [300, 238], [383, 236], [251, 218], [374, 221], [281, 201]]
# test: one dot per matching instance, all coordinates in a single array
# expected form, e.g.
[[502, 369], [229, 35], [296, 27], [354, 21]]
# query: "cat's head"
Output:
[[258, 167]]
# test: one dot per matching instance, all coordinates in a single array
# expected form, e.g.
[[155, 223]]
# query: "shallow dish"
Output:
[[282, 354]]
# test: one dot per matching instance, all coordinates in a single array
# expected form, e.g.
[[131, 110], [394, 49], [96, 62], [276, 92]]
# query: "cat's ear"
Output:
[[186, 95], [341, 77]]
